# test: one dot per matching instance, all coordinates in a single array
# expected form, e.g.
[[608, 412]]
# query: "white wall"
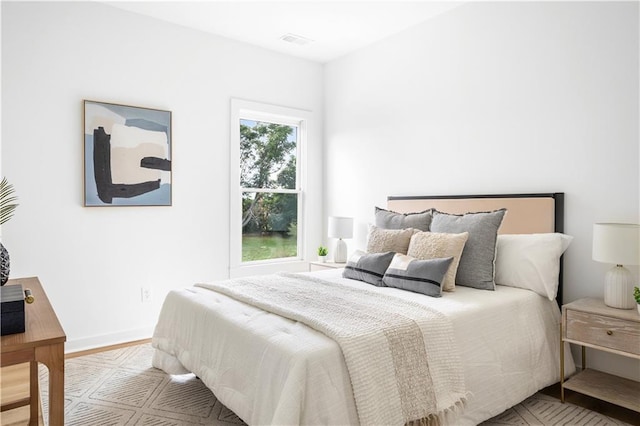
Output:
[[93, 261], [504, 97]]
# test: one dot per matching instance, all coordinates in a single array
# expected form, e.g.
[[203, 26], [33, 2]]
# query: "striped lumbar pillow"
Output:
[[367, 267], [420, 276]]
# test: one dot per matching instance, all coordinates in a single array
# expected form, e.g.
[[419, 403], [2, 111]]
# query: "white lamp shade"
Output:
[[340, 227], [616, 243]]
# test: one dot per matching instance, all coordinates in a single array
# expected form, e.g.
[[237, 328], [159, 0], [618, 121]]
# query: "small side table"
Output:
[[319, 266], [42, 341], [590, 323]]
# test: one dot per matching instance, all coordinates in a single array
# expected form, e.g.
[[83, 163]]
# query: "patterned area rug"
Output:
[[541, 409], [120, 387]]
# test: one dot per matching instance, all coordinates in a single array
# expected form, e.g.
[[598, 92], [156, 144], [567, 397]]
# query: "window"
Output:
[[267, 144]]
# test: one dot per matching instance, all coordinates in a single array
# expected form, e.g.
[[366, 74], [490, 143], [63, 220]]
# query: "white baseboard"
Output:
[[83, 344]]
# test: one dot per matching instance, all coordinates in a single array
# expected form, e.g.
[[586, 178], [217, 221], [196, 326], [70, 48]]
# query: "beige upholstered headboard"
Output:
[[526, 213]]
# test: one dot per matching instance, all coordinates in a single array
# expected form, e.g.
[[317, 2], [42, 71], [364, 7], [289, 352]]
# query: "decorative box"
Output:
[[11, 309]]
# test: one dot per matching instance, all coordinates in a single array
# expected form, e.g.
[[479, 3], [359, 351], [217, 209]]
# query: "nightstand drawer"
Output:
[[603, 331]]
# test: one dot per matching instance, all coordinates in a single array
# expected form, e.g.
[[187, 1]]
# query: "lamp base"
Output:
[[340, 255], [618, 288]]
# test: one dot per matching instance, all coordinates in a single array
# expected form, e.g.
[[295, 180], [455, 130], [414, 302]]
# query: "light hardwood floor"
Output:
[[14, 385], [14, 382]]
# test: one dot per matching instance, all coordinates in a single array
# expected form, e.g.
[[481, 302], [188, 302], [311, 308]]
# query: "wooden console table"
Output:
[[42, 341]]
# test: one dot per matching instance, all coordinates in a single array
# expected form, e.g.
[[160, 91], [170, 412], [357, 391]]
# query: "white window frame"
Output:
[[242, 109]]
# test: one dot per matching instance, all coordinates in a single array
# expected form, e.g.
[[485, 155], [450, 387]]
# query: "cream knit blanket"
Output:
[[401, 356]]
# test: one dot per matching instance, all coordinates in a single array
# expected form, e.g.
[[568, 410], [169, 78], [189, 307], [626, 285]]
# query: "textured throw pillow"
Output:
[[367, 267], [531, 261], [476, 268], [433, 245], [419, 276], [383, 240], [388, 219]]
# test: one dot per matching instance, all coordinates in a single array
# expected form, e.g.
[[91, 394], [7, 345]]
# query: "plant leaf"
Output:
[[7, 201]]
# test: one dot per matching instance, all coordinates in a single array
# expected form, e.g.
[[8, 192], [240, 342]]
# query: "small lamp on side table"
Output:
[[340, 227], [617, 243]]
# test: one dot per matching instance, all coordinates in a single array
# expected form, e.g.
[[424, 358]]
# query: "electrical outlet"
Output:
[[145, 294]]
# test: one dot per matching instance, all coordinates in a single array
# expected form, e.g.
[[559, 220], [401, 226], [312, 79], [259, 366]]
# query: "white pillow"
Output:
[[531, 261], [434, 245]]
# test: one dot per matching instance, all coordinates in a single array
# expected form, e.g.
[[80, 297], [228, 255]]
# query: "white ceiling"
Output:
[[336, 27]]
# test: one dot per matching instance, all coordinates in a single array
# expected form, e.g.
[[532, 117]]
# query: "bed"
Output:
[[274, 369]]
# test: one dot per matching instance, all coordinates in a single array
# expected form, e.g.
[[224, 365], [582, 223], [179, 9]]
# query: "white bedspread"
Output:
[[403, 364], [271, 370]]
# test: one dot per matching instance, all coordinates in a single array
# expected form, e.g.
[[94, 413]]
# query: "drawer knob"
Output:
[[609, 332]]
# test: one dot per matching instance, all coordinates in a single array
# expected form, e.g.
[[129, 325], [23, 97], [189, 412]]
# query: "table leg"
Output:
[[53, 357], [561, 366], [34, 394]]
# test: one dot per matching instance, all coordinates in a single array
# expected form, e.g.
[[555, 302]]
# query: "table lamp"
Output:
[[617, 243], [340, 227]]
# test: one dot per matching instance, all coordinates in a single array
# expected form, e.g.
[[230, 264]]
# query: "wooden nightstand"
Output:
[[319, 266], [590, 323], [42, 342]]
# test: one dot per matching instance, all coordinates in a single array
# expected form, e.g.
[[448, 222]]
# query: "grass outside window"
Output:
[[262, 247]]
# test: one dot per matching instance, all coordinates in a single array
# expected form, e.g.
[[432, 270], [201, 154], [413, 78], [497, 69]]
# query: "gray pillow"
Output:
[[419, 276], [477, 263], [387, 219], [367, 267]]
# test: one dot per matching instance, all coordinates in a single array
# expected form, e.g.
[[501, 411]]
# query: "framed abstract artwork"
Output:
[[127, 155]]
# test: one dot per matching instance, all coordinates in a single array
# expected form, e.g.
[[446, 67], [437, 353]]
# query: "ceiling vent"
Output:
[[296, 39]]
